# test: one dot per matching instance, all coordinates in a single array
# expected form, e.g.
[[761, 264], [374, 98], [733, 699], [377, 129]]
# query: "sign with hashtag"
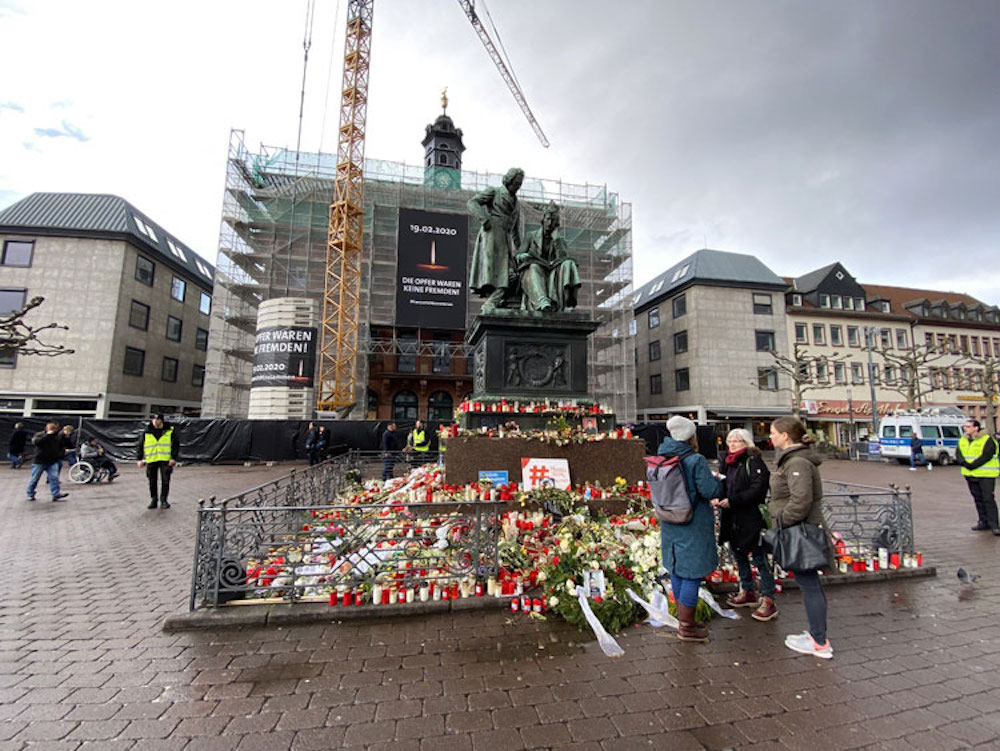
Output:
[[545, 473]]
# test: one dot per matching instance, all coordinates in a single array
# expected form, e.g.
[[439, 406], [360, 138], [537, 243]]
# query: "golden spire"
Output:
[[444, 99]]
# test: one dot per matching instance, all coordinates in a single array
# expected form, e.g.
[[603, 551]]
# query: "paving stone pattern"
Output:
[[85, 665]]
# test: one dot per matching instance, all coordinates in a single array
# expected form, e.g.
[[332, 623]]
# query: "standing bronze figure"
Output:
[[498, 240]]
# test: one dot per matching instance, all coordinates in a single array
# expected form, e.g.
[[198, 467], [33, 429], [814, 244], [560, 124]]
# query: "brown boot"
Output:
[[688, 629], [745, 598]]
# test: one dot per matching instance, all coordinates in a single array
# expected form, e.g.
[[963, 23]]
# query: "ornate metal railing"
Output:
[[293, 540], [870, 517]]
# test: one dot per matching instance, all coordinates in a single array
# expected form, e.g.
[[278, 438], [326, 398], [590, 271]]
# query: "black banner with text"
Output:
[[284, 356], [431, 274]]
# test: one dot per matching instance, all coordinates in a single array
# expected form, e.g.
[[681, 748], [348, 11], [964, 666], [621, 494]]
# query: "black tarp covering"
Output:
[[231, 441]]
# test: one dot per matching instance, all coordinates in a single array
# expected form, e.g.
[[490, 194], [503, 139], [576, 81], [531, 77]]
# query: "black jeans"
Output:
[[164, 470], [814, 598], [982, 493]]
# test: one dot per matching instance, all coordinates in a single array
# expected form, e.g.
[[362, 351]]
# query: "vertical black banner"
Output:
[[431, 275]]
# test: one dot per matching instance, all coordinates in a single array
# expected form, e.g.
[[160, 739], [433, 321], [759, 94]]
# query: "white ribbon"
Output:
[[658, 609], [608, 645], [705, 595]]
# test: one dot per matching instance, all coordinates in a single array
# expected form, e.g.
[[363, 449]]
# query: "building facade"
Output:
[[418, 241], [136, 300], [702, 331], [842, 350]]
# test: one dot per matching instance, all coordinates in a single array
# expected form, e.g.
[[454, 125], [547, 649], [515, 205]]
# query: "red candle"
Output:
[[454, 590], [333, 597], [349, 597]]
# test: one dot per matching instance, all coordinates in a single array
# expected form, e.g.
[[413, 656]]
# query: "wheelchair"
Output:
[[84, 471]]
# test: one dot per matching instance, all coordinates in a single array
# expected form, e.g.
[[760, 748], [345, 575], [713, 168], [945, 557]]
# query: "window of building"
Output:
[[439, 406], [975, 345], [805, 372], [135, 360], [169, 370], [406, 360], [201, 339], [764, 341], [656, 384], [964, 344], [859, 303], [174, 328], [819, 333], [848, 303], [404, 406], [767, 379], [836, 336], [929, 342], [178, 289], [17, 253], [824, 301], [633, 328], [138, 317], [836, 302], [822, 371], [205, 303], [653, 317], [203, 269], [176, 250], [857, 373], [682, 379], [680, 306], [10, 300], [145, 229], [679, 274], [889, 374], [996, 347], [654, 350], [145, 270], [198, 375], [874, 374], [680, 342], [762, 304], [900, 338], [853, 337], [797, 300], [839, 372], [801, 333], [953, 343], [885, 338]]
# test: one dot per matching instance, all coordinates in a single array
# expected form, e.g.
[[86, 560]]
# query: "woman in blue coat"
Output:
[[689, 550]]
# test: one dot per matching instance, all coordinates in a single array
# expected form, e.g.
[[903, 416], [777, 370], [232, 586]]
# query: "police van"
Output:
[[939, 433]]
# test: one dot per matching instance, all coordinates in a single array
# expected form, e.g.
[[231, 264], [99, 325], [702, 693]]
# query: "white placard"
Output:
[[545, 473]]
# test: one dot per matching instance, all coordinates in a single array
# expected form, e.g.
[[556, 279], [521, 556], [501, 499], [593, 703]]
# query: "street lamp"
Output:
[[850, 417], [870, 343]]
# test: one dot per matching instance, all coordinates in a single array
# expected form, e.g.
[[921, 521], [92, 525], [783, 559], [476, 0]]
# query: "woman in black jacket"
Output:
[[746, 479]]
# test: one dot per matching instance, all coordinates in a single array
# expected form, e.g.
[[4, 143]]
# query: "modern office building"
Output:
[[418, 240], [135, 298]]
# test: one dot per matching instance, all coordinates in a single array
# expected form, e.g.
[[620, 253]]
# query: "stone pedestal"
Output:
[[530, 356]]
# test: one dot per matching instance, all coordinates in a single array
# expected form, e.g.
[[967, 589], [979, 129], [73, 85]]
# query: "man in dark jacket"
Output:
[[158, 450], [389, 448], [15, 449], [48, 459], [917, 454]]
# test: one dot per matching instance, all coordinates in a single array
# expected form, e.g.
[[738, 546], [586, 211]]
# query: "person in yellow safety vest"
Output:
[[979, 458], [158, 449], [419, 442]]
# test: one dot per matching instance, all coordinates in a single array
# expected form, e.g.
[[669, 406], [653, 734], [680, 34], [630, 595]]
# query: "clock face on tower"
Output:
[[444, 178]]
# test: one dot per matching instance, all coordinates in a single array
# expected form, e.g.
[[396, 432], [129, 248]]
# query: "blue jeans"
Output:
[[764, 573], [16, 460], [52, 472], [685, 590], [917, 457]]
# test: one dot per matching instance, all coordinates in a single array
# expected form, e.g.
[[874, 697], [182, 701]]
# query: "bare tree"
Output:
[[799, 367], [913, 365], [986, 381], [24, 339]]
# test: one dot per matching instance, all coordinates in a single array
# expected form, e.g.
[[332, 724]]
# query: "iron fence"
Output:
[[870, 517], [292, 540]]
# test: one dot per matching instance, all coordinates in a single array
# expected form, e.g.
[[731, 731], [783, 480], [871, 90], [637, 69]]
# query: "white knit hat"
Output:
[[681, 428]]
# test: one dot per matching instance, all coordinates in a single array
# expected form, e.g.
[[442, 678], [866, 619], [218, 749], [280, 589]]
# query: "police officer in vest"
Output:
[[158, 447], [978, 457], [418, 441]]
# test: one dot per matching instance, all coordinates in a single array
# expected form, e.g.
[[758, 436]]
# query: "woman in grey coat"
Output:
[[689, 550], [796, 496]]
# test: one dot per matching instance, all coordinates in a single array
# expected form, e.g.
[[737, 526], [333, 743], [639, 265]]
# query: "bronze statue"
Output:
[[549, 278], [498, 240]]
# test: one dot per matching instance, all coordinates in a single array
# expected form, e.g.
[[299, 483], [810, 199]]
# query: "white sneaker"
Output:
[[929, 467], [913, 469], [805, 644]]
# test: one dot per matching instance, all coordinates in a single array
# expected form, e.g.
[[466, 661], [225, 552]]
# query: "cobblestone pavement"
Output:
[[84, 664]]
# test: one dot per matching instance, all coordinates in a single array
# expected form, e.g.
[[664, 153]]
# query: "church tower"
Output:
[[443, 151]]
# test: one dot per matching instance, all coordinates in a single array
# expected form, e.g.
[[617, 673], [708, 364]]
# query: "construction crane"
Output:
[[342, 284]]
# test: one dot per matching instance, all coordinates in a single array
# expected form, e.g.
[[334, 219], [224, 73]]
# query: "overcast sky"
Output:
[[801, 132]]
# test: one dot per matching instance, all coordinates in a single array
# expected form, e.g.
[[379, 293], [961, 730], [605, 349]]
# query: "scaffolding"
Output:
[[273, 242]]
